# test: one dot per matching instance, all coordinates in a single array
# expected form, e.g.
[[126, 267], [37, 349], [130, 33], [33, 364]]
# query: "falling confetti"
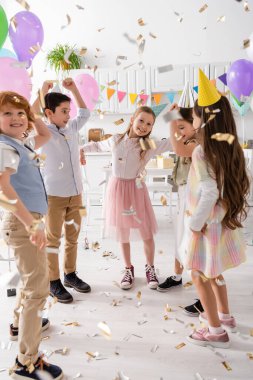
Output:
[[178, 137], [188, 284], [180, 345], [223, 137], [61, 166], [83, 213], [100, 29], [227, 366], [163, 200], [203, 8], [24, 4], [112, 83], [95, 246], [80, 8], [34, 49], [154, 348], [152, 35], [246, 6], [147, 143], [250, 355], [68, 22], [246, 43], [62, 351], [221, 19], [118, 122], [164, 69], [179, 16], [73, 324], [120, 58], [141, 22], [104, 330]]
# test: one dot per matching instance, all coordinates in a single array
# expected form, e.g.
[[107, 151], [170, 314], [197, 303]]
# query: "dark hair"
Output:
[[225, 160], [19, 102], [54, 99], [186, 114]]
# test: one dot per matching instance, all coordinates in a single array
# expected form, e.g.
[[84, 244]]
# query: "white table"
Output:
[[152, 186]]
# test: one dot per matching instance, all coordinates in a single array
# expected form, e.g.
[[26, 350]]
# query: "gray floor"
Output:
[[143, 344]]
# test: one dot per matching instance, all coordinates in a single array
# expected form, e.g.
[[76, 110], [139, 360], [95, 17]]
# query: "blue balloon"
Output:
[[7, 53]]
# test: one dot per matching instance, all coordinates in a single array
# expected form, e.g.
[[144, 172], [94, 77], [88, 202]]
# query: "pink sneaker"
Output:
[[228, 324], [203, 337], [151, 276], [128, 278]]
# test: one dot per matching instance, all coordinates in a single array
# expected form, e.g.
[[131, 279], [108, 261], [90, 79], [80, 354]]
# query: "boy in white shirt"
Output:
[[63, 182]]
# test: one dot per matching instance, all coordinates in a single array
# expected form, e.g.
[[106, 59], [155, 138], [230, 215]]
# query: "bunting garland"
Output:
[[110, 92], [121, 95], [133, 97]]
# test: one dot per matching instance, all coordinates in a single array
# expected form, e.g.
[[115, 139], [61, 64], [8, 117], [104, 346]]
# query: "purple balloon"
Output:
[[240, 78], [27, 35]]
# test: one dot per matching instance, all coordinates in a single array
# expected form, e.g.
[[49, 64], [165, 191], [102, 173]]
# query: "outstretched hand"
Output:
[[69, 84], [47, 85], [174, 106]]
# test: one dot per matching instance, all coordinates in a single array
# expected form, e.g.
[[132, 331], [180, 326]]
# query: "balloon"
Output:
[[241, 108], [7, 53], [3, 26], [251, 103], [14, 77], [240, 78], [249, 50], [88, 89], [26, 36]]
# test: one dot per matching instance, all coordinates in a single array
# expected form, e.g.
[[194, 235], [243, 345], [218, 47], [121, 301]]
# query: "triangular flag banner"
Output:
[[158, 109], [171, 96], [196, 89], [223, 78], [241, 108], [102, 88], [208, 93], [132, 98], [110, 92], [121, 95], [187, 98], [157, 98], [144, 98]]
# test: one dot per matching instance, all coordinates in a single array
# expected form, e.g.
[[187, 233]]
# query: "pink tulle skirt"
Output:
[[128, 211]]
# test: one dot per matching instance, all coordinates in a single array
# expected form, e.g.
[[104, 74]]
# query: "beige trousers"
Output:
[[60, 210], [34, 289]]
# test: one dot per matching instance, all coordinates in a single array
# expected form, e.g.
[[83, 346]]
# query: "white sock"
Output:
[[224, 316], [177, 277], [215, 330]]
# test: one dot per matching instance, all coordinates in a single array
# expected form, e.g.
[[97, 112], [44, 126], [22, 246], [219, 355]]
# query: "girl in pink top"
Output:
[[129, 213]]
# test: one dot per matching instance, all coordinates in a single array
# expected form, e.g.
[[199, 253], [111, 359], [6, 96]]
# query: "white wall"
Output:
[[184, 42]]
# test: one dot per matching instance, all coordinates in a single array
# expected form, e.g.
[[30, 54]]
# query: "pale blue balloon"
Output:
[[7, 53]]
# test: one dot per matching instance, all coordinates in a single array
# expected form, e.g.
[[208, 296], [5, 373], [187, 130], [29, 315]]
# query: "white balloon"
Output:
[[249, 50]]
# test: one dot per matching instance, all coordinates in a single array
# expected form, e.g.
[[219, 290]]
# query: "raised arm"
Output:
[[70, 85], [100, 146], [42, 133]]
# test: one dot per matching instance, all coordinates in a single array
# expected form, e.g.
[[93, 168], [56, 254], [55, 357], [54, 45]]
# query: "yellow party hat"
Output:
[[207, 93]]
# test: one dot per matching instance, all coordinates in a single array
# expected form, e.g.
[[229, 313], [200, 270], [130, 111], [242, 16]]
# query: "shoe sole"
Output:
[[17, 376], [153, 286], [227, 328], [15, 338], [205, 344], [190, 314], [125, 287], [77, 289], [168, 289], [60, 300]]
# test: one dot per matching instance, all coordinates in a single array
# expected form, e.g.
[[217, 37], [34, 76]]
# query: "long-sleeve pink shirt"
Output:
[[126, 160]]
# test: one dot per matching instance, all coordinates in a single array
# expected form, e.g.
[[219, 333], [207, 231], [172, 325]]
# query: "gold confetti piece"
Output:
[[180, 345], [246, 6], [116, 303], [227, 366], [119, 58], [45, 337], [14, 25], [154, 348], [118, 122], [152, 35], [223, 137], [188, 284], [104, 330], [166, 318], [246, 43], [82, 51], [163, 200], [82, 212], [92, 355], [141, 46], [141, 65], [68, 22], [138, 295], [164, 69], [112, 83], [141, 22], [142, 322], [34, 49], [250, 355], [100, 30], [147, 143], [251, 332], [178, 137], [203, 8], [62, 351], [95, 246], [221, 19], [61, 166], [73, 324], [79, 7], [24, 4], [7, 204], [168, 309], [16, 99]]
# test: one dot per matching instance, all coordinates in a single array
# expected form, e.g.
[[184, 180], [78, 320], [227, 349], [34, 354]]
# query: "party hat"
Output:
[[207, 94], [187, 99], [158, 109]]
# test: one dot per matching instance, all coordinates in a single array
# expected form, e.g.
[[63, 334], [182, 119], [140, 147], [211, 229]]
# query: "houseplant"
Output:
[[64, 58]]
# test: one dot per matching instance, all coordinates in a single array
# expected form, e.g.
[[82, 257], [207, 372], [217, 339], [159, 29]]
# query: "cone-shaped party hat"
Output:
[[187, 99], [207, 94]]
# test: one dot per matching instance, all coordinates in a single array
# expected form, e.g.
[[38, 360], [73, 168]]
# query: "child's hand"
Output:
[[47, 85], [38, 238], [82, 157], [174, 106], [69, 84]]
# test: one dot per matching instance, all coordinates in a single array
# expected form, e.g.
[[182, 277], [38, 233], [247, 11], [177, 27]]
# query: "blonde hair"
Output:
[[136, 113], [19, 102]]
